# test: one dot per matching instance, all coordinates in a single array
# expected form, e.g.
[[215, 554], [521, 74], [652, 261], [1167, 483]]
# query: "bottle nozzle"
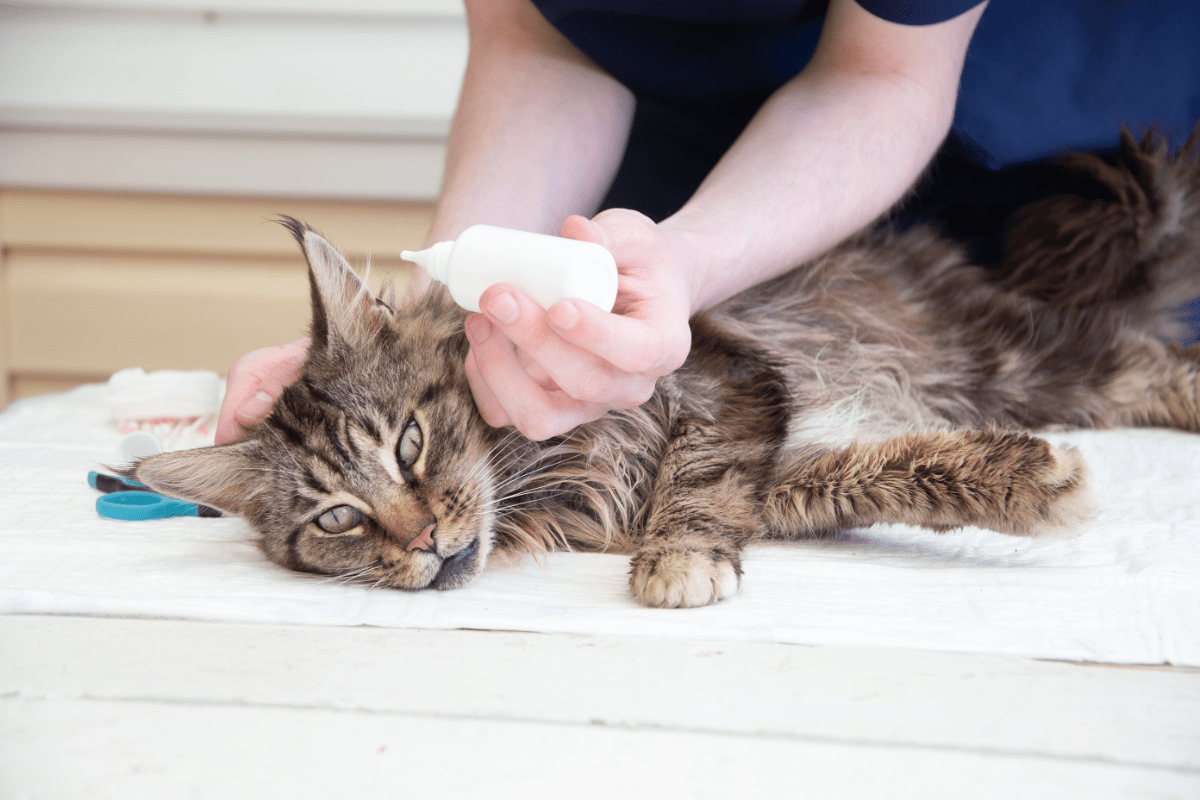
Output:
[[434, 259]]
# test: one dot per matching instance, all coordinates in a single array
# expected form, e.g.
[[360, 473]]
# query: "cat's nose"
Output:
[[423, 540]]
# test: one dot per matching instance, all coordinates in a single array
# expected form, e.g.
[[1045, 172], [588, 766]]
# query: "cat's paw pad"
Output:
[[675, 575]]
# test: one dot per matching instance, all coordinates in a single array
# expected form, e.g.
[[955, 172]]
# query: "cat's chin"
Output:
[[460, 568], [417, 570]]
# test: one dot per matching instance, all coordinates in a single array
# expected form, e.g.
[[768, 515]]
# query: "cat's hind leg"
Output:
[[1158, 385], [1006, 481]]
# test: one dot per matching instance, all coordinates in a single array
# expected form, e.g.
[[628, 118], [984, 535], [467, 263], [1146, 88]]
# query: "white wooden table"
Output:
[[100, 708]]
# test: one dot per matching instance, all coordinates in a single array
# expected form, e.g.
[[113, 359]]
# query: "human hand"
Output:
[[255, 382], [575, 362]]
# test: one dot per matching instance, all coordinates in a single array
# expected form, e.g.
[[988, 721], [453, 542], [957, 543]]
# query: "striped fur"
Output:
[[889, 381]]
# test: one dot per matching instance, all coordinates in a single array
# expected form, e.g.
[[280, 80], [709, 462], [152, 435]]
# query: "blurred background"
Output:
[[146, 144]]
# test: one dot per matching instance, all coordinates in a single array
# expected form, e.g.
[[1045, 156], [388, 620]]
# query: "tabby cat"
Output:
[[889, 381]]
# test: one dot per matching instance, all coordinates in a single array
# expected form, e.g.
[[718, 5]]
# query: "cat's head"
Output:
[[374, 464]]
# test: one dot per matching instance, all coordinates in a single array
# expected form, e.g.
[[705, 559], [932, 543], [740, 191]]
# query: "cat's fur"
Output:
[[889, 381]]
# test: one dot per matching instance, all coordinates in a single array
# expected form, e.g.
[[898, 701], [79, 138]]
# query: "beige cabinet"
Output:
[[95, 282]]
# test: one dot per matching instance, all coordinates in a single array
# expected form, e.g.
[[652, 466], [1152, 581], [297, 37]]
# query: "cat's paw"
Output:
[[684, 574], [1072, 502]]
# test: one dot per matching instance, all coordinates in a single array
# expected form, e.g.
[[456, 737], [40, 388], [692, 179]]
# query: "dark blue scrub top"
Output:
[[1041, 77]]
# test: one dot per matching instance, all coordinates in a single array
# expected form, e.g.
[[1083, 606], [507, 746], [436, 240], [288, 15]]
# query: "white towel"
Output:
[[1127, 590]]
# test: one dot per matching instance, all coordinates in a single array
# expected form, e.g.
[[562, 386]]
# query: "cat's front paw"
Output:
[[1071, 502], [684, 574]]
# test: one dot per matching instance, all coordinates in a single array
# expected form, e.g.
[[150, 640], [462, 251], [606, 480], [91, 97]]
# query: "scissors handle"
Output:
[[113, 483], [142, 505]]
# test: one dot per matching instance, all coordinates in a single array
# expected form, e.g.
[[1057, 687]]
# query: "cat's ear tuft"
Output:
[[342, 304], [227, 478]]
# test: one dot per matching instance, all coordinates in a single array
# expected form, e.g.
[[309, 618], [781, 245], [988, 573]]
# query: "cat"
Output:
[[889, 381]]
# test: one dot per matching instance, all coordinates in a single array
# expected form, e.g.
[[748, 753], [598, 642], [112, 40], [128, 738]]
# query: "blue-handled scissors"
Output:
[[138, 505], [129, 500]]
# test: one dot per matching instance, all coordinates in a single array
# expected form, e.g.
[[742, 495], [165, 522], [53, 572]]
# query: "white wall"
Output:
[[301, 97]]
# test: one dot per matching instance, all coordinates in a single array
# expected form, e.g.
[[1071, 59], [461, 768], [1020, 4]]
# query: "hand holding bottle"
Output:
[[574, 362]]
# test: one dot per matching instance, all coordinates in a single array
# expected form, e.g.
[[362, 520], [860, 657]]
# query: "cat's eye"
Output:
[[340, 519], [409, 448]]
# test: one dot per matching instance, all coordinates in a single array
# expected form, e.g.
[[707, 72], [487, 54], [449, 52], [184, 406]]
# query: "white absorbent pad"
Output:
[[1126, 590]]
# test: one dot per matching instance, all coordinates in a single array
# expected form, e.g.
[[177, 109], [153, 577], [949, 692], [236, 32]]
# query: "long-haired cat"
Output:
[[889, 381]]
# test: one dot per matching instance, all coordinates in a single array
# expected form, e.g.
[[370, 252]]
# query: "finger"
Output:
[[582, 229], [254, 383], [536, 371], [629, 235], [485, 400], [489, 407], [629, 344], [538, 414], [579, 373], [253, 409], [652, 333], [228, 428]]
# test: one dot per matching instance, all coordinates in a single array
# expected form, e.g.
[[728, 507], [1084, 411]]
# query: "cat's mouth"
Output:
[[458, 568]]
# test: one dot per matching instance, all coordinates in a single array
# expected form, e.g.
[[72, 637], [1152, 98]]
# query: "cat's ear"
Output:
[[227, 478], [342, 305]]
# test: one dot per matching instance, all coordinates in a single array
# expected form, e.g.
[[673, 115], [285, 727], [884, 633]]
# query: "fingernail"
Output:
[[260, 404], [254, 409], [504, 308], [478, 328], [564, 315]]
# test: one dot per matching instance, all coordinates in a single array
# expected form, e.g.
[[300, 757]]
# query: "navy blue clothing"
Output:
[[1041, 77]]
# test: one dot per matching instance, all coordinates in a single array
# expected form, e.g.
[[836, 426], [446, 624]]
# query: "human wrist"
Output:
[[707, 258]]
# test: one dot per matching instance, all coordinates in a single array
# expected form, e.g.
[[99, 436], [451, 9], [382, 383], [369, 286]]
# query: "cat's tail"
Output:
[[1136, 250]]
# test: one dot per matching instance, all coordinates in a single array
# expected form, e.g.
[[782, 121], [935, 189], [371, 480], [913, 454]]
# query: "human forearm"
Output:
[[828, 153], [539, 129]]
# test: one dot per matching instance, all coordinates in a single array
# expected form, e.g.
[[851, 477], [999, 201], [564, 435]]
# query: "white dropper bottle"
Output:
[[547, 268]]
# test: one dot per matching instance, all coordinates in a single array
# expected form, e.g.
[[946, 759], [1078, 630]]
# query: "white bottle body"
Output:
[[546, 268]]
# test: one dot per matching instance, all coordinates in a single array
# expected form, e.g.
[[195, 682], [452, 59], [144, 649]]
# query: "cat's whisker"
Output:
[[486, 464], [534, 469], [348, 577]]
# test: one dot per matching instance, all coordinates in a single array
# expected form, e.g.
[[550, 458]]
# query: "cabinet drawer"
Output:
[[89, 314]]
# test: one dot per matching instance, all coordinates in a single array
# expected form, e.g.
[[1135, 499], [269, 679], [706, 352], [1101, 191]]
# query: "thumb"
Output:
[[582, 229], [252, 410]]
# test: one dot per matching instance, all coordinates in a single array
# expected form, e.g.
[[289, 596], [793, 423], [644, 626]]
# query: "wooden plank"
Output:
[[270, 165], [52, 220], [959, 703], [129, 750], [6, 386], [97, 314], [297, 74], [27, 385]]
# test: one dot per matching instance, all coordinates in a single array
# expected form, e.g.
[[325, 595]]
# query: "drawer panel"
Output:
[[99, 313], [33, 219]]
